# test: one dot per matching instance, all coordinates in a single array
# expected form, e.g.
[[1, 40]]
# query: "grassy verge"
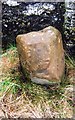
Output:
[[22, 98]]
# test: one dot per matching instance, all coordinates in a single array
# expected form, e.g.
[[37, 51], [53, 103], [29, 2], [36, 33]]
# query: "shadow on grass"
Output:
[[36, 92]]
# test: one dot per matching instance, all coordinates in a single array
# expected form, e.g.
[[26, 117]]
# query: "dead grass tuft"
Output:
[[20, 98]]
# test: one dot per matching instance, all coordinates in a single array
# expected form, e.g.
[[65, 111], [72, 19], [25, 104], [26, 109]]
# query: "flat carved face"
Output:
[[41, 53], [38, 56]]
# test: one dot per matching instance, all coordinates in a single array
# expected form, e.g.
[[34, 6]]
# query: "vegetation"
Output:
[[22, 98]]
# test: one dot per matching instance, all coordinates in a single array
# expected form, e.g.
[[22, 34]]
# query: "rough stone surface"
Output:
[[41, 55], [69, 31], [23, 17]]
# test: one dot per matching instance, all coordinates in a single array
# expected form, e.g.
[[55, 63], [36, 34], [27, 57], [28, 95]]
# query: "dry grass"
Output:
[[20, 98]]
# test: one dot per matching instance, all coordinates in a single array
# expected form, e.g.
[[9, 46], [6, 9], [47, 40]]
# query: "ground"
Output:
[[20, 98]]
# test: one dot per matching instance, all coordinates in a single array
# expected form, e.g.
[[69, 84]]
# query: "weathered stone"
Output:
[[41, 55], [23, 17]]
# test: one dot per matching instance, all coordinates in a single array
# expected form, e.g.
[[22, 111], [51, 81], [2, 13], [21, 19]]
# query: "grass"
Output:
[[22, 98]]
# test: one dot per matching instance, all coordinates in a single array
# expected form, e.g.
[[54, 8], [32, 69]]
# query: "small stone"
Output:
[[42, 56]]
